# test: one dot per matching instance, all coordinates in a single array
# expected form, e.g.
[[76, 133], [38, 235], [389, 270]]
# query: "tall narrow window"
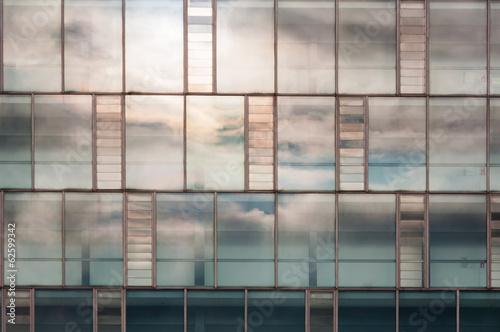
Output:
[[22, 311], [63, 142], [306, 250], [321, 311], [367, 240], [367, 46], [154, 46], [457, 49], [306, 46], [397, 150], [94, 253], [215, 142], [495, 47], [457, 144], [93, 45], [15, 142], [245, 46], [185, 239], [457, 240], [154, 142], [245, 240], [495, 241], [32, 45], [306, 143], [109, 310], [36, 221], [494, 144]]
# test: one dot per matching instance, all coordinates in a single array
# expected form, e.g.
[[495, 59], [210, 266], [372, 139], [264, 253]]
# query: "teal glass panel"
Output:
[[479, 311]]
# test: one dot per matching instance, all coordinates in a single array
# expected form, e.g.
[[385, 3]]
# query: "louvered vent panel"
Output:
[[495, 241]]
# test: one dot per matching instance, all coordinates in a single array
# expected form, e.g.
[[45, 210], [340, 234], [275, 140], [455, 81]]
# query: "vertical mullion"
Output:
[[94, 309], [398, 241], [63, 82], [458, 311], [275, 46], [184, 144], [276, 239], [185, 46], [246, 310], [427, 145], [246, 143], [63, 235], [125, 239], [336, 48], [215, 238], [366, 145], [337, 143], [307, 311], [397, 310], [94, 142], [32, 142], [336, 240], [336, 310], [275, 143], [426, 242], [185, 310], [488, 116], [488, 48], [124, 309], [427, 47], [154, 234], [1, 46], [398, 47], [32, 310], [123, 140], [2, 205]]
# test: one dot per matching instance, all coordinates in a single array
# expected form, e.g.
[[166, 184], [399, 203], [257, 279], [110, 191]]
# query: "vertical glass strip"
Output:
[[109, 310], [495, 241]]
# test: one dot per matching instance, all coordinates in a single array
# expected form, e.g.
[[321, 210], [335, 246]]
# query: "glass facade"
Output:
[[249, 165]]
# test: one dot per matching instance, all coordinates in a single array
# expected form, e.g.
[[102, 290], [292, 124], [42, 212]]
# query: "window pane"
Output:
[[397, 144], [94, 253], [306, 46], [321, 312], [185, 240], [495, 144], [457, 244], [38, 226], [495, 47], [155, 154], [63, 310], [215, 311], [367, 46], [457, 50], [245, 235], [154, 45], [215, 142], [245, 46], [63, 142], [109, 310], [15, 142], [32, 45], [155, 311], [427, 311], [457, 144], [306, 143], [21, 311], [277, 311], [93, 45], [479, 311], [367, 312], [367, 240], [306, 250]]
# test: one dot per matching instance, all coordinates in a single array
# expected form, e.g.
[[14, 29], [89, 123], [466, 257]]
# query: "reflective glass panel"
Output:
[[479, 311], [427, 311], [495, 144], [321, 312], [109, 310], [306, 240], [32, 45], [93, 45], [155, 311], [185, 240], [38, 227], [15, 142], [277, 311], [306, 46], [245, 239], [367, 240], [245, 46], [397, 150], [63, 310], [457, 49], [495, 47], [457, 240], [367, 312], [215, 142], [367, 46], [154, 45], [215, 311], [94, 252], [457, 144], [63, 142], [306, 143], [154, 139]]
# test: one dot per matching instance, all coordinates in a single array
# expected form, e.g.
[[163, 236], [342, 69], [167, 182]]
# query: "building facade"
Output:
[[250, 165]]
